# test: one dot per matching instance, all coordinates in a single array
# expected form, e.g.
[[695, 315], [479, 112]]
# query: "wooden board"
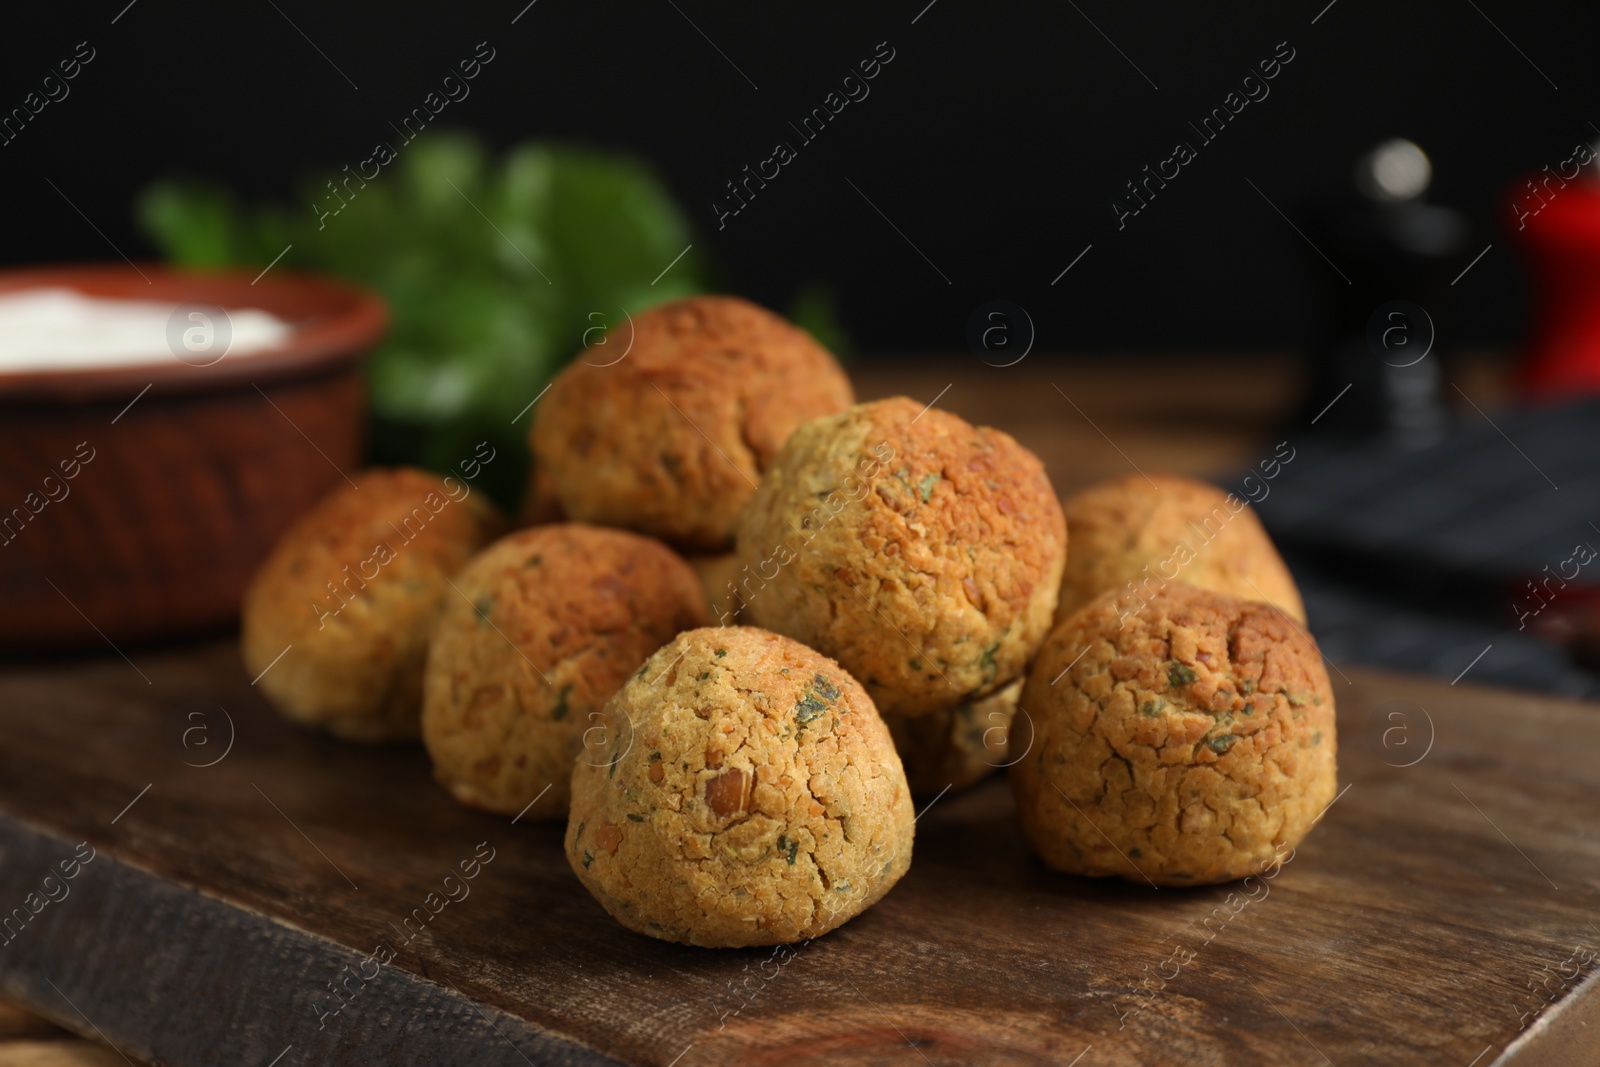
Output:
[[220, 904]]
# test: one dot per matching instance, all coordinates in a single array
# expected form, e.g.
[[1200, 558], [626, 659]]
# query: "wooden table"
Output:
[[223, 900]]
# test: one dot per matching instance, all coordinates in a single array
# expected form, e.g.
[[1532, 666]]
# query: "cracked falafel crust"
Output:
[[352, 590], [747, 793], [549, 623], [924, 553], [1186, 744], [1151, 530], [671, 439]]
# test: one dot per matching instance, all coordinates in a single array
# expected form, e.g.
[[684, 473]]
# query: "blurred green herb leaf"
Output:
[[493, 272]]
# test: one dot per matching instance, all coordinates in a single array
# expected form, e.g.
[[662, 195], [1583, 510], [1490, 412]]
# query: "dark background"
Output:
[[995, 139]]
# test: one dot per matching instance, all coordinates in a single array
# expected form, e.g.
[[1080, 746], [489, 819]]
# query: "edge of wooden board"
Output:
[[129, 959]]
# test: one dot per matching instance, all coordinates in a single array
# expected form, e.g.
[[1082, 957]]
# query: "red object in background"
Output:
[[1559, 225]]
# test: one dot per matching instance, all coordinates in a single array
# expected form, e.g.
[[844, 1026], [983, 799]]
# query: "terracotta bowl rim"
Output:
[[354, 320]]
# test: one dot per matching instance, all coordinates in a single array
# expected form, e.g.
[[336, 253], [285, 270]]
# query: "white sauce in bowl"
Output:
[[64, 330]]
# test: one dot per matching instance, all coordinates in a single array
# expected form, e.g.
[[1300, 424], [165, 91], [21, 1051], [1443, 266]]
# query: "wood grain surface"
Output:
[[1407, 929]]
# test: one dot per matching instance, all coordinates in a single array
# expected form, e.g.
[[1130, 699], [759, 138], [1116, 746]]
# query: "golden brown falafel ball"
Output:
[[951, 750], [352, 590], [671, 439], [748, 794], [1190, 742], [921, 552], [1155, 529], [550, 623]]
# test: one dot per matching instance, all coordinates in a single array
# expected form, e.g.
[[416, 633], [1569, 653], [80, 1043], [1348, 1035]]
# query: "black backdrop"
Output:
[[994, 141]]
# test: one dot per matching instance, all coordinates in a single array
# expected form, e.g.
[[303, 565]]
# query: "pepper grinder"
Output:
[[1376, 370]]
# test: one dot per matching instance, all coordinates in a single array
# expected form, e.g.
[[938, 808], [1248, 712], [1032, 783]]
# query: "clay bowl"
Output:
[[131, 514]]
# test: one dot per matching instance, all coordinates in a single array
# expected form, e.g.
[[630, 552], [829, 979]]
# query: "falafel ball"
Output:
[[1151, 530], [952, 750], [748, 794], [348, 597], [923, 553], [550, 622], [671, 439], [1192, 742]]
